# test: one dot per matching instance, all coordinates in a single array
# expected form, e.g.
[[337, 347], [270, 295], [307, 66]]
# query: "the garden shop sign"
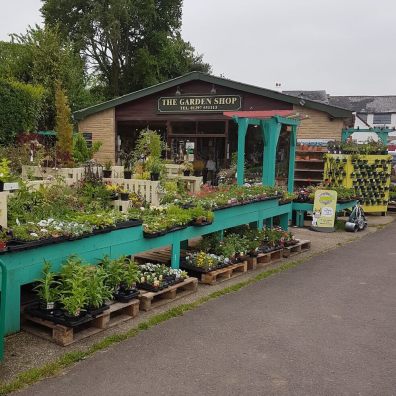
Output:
[[191, 104], [324, 209]]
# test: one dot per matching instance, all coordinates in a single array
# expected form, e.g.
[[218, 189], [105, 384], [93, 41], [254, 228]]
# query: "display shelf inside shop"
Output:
[[309, 164], [369, 175]]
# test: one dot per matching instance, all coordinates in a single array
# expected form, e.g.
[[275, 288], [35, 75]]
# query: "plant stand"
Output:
[[63, 335], [300, 247], [150, 300]]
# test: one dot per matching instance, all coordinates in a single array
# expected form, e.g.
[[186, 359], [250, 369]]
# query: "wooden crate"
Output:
[[223, 274], [264, 259], [63, 335], [150, 300], [301, 246]]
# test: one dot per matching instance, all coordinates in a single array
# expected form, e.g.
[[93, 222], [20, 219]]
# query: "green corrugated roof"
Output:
[[336, 112]]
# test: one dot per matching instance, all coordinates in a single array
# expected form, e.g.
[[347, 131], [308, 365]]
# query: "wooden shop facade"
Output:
[[189, 109]]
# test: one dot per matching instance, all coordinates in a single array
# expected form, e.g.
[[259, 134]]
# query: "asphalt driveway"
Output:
[[326, 327]]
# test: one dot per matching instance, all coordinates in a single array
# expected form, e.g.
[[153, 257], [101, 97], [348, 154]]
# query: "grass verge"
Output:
[[33, 375]]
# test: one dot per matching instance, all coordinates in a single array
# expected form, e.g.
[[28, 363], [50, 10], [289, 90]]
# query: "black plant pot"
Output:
[[124, 196], [127, 174], [128, 223], [154, 176], [107, 173], [126, 295], [186, 173]]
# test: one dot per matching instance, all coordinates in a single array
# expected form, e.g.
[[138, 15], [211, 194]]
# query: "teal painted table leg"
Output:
[[260, 224], [12, 307], [175, 261], [284, 221], [300, 218], [3, 304], [221, 235]]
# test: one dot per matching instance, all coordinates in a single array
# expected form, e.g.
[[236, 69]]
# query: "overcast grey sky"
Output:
[[344, 46]]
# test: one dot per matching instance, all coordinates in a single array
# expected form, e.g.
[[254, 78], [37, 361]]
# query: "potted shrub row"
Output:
[[81, 292]]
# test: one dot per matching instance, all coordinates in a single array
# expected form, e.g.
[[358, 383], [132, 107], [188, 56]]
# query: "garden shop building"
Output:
[[188, 113]]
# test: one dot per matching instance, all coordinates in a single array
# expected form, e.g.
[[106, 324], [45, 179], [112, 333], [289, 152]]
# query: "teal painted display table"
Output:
[[300, 208], [24, 267]]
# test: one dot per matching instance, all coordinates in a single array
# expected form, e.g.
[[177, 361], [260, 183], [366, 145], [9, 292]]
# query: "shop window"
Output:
[[382, 119]]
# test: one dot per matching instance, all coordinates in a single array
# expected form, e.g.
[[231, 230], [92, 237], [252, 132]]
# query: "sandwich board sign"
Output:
[[324, 210]]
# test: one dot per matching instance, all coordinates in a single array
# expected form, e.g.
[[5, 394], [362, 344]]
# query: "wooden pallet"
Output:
[[63, 335], [223, 274], [264, 259], [150, 300], [160, 256], [300, 247]]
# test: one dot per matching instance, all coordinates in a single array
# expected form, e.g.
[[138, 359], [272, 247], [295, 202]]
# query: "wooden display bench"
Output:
[[150, 300], [264, 259], [300, 247], [224, 274], [63, 335]]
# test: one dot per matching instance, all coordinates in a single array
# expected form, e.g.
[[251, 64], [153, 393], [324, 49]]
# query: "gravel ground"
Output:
[[25, 351]]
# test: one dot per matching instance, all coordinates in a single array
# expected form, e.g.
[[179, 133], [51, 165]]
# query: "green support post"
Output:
[[284, 221], [243, 124], [3, 305], [271, 130], [175, 259], [292, 158]]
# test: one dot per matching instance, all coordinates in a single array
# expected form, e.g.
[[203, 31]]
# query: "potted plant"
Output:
[[129, 276], [127, 160], [74, 292], [155, 167], [98, 291], [187, 168], [4, 172], [124, 193], [47, 288], [107, 169]]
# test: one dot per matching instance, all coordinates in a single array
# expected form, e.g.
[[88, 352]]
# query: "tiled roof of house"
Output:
[[358, 104], [368, 104]]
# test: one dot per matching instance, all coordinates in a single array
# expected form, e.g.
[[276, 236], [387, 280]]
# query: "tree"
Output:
[[41, 56], [63, 127], [128, 44]]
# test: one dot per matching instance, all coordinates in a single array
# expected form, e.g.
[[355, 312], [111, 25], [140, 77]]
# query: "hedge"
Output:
[[20, 108]]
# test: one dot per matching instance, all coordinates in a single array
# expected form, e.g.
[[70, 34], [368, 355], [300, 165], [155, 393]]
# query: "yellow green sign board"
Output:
[[324, 209]]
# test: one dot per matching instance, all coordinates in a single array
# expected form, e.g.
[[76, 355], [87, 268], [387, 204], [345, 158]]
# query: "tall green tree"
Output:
[[128, 44], [63, 126]]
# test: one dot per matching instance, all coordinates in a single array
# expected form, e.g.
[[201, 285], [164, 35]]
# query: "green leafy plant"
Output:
[[107, 165], [114, 272], [48, 287], [4, 170], [97, 289], [130, 273], [73, 292]]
